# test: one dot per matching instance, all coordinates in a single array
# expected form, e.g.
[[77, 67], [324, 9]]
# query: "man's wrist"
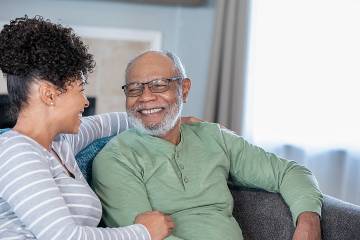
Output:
[[308, 218]]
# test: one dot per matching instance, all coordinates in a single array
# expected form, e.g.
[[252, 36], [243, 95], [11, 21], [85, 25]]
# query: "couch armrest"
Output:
[[264, 215], [340, 220]]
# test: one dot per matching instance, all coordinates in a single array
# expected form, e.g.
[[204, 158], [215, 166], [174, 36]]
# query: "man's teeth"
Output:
[[150, 111]]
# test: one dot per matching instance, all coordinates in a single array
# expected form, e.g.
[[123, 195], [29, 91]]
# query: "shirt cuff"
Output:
[[144, 231], [305, 205]]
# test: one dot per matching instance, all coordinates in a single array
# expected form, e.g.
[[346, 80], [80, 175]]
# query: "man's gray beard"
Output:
[[159, 129]]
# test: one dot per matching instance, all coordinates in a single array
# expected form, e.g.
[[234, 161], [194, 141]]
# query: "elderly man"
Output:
[[183, 169]]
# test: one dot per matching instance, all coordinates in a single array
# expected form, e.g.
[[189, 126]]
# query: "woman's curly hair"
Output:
[[34, 48]]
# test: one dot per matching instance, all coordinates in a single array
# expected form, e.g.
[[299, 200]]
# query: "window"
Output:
[[304, 73]]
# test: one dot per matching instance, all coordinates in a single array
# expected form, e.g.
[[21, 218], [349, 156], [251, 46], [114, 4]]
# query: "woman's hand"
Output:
[[190, 120], [158, 224]]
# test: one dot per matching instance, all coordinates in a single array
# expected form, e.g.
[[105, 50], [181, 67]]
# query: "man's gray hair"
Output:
[[174, 58], [177, 62]]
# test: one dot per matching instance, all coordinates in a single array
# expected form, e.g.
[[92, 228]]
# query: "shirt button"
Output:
[[177, 154], [186, 180], [181, 166]]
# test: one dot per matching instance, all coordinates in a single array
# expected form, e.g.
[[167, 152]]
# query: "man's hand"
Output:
[[158, 224], [308, 227]]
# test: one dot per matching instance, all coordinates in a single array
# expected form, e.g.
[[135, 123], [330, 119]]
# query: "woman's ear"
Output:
[[186, 85], [47, 93]]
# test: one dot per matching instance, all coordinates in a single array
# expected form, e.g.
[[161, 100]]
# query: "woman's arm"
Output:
[[104, 125], [27, 185], [97, 126]]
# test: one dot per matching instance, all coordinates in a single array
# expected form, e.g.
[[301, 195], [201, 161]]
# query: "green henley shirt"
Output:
[[135, 173]]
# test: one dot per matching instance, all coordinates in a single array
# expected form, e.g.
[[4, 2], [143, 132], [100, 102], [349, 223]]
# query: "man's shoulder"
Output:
[[202, 129], [201, 126], [113, 151], [211, 132], [126, 135], [122, 142]]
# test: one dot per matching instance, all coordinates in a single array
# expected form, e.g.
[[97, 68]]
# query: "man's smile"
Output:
[[150, 111]]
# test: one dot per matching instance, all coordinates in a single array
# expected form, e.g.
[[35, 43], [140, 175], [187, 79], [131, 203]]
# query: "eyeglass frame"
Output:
[[169, 80]]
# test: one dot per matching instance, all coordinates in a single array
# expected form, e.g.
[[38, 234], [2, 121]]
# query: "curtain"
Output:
[[226, 83], [284, 74], [337, 170]]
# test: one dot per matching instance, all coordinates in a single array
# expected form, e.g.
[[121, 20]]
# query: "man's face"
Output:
[[155, 113]]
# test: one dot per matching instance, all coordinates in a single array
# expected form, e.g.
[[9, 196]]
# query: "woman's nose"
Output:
[[87, 103]]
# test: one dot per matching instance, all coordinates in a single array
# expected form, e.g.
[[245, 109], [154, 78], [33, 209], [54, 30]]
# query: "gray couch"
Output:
[[263, 215]]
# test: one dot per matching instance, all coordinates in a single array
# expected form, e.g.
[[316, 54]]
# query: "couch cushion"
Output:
[[86, 156], [262, 215], [340, 220]]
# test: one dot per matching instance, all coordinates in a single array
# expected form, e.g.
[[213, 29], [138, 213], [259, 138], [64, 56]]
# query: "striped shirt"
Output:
[[39, 200]]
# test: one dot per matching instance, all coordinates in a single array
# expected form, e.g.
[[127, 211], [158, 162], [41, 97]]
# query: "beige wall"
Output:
[[105, 82]]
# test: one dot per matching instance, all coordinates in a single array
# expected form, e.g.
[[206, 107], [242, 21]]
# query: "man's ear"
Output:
[[186, 85], [47, 93]]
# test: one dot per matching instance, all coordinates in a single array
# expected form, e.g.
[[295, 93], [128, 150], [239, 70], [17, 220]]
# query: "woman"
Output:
[[43, 194]]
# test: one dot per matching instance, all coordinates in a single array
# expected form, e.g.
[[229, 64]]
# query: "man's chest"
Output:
[[190, 177]]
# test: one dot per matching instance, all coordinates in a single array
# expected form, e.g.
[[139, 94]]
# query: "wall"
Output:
[[187, 31]]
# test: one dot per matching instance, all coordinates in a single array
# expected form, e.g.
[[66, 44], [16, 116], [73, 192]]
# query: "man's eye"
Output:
[[159, 85], [133, 90]]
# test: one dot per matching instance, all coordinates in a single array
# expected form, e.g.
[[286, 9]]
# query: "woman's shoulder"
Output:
[[12, 143]]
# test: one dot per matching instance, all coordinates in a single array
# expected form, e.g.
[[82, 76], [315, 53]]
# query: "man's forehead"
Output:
[[153, 59], [151, 66]]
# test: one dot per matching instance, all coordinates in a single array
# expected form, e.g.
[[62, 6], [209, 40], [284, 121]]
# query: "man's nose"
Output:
[[147, 95]]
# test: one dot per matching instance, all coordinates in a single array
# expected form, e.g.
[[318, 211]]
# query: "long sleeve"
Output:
[[97, 126], [120, 186], [251, 166], [27, 186]]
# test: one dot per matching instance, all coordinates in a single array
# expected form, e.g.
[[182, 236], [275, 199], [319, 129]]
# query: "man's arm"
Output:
[[251, 166], [119, 183]]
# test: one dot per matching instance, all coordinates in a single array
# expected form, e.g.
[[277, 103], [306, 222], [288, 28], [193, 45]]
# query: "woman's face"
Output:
[[69, 107]]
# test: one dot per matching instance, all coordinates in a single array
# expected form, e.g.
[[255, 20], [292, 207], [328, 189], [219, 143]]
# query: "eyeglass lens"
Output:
[[155, 86]]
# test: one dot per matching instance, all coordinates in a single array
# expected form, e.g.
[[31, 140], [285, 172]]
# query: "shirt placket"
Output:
[[181, 168]]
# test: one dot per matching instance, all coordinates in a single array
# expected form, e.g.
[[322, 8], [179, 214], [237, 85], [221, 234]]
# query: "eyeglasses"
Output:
[[155, 86]]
